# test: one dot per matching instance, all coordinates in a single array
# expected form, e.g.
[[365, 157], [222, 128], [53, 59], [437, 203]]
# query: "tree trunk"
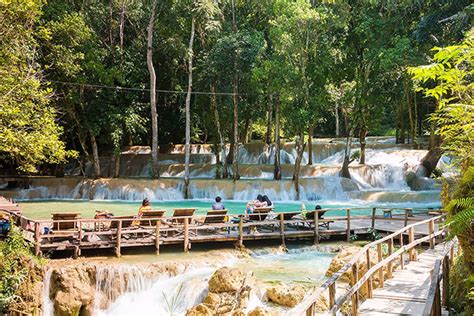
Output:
[[277, 169], [221, 150], [188, 112], [347, 157], [111, 20], [430, 160], [117, 166], [362, 135], [401, 125], [300, 145], [415, 123], [410, 112], [86, 156], [310, 143], [336, 112], [235, 163], [268, 134], [154, 117], [122, 24], [246, 131], [95, 154]]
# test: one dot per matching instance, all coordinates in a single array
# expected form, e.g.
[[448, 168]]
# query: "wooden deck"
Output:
[[117, 233], [407, 291]]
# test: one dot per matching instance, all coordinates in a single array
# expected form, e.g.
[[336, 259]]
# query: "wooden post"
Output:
[[355, 296], [451, 255], [348, 224], [369, 280], [282, 229], [332, 294], [411, 238], [241, 232], [390, 263], [37, 239], [316, 227], [402, 259], [157, 237], [446, 268], [119, 239], [373, 217], [406, 217], [431, 232], [380, 258], [186, 234], [80, 232]]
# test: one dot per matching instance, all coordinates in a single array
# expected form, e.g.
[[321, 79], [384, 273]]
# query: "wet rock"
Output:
[[286, 295], [199, 310], [226, 280], [417, 182], [73, 290], [261, 311]]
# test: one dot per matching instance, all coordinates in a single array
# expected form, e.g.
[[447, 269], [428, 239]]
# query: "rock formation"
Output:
[[286, 295]]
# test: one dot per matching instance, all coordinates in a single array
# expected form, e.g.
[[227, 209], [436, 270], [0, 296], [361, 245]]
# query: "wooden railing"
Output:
[[187, 231], [438, 298], [308, 306]]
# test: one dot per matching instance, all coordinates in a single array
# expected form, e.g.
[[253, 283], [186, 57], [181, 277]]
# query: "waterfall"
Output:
[[139, 294], [48, 305]]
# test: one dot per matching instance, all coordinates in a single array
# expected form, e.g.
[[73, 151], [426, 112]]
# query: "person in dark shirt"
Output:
[[218, 205]]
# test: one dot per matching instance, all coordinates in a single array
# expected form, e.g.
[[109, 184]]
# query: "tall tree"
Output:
[[151, 69]]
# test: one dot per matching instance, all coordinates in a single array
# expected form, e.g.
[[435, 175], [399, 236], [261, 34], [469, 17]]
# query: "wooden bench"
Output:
[[146, 215]]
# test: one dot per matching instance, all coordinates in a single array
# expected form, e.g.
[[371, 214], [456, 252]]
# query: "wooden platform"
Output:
[[407, 291]]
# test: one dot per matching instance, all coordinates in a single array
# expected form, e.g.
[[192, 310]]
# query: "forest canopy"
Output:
[[76, 77]]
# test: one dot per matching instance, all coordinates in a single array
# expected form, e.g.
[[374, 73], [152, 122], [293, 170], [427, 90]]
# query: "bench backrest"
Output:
[[182, 212], [64, 216], [215, 216], [151, 214]]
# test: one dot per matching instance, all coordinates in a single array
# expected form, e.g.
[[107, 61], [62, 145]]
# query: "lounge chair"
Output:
[[70, 225], [180, 213], [215, 217], [127, 221], [322, 222], [259, 214], [146, 215], [289, 215]]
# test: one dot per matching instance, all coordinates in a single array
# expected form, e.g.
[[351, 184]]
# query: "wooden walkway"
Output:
[[407, 291]]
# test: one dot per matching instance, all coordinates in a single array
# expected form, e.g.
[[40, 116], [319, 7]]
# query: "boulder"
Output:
[[261, 311], [285, 295], [73, 290], [199, 310], [226, 280]]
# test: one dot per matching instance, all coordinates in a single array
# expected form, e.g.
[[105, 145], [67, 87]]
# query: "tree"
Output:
[[29, 132], [151, 69]]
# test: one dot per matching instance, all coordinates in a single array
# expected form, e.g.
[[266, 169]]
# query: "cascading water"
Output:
[[47, 303]]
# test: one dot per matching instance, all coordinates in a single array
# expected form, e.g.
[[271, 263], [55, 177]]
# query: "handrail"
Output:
[[310, 300], [435, 300]]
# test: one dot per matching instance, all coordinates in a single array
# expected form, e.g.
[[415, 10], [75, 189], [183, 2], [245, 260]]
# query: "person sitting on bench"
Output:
[[218, 206]]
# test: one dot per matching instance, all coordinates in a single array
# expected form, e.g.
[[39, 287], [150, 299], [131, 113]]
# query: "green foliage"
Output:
[[14, 266], [462, 286], [449, 81], [29, 131], [373, 234]]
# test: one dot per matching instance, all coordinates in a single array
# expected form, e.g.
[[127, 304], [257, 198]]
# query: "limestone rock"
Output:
[[226, 280], [199, 310], [286, 295], [261, 311], [73, 290]]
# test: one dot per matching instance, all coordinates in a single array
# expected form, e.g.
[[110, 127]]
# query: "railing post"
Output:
[[406, 218], [37, 239], [355, 296], [451, 255], [374, 210], [282, 229], [380, 258], [241, 232], [332, 295], [348, 224], [186, 234], [369, 280], [446, 268], [316, 227], [157, 237], [390, 263], [431, 232], [411, 238], [119, 239], [402, 259], [80, 232]]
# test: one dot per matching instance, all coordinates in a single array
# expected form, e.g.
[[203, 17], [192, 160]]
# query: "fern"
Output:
[[461, 222]]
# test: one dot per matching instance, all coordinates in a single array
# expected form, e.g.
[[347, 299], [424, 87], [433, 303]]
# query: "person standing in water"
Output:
[[218, 205]]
